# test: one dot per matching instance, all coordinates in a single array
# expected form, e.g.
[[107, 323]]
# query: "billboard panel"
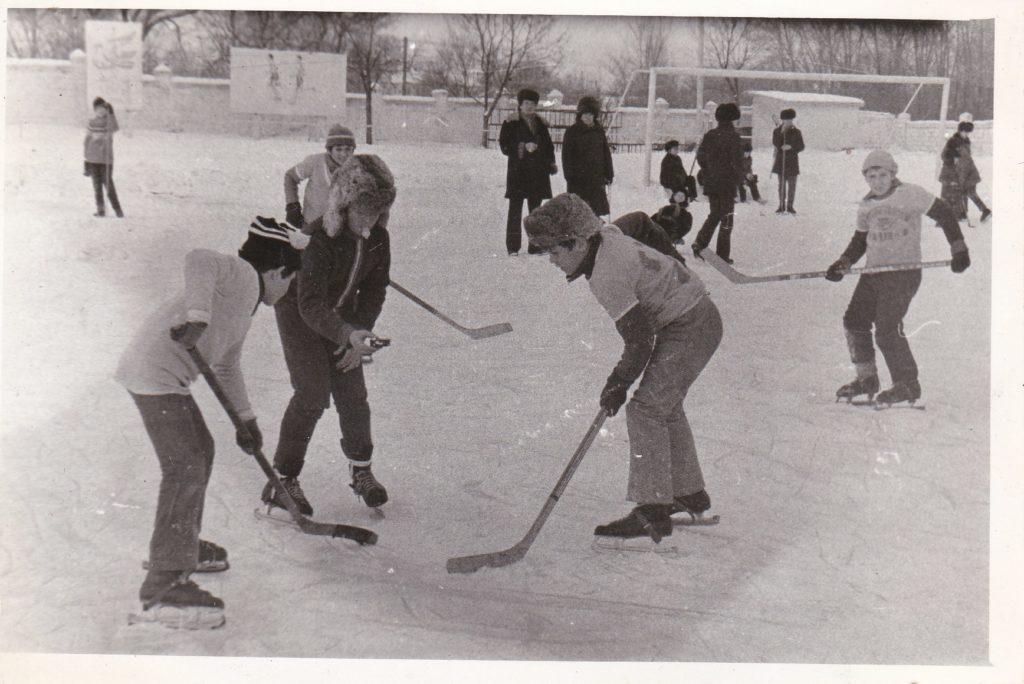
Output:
[[113, 69], [285, 82]]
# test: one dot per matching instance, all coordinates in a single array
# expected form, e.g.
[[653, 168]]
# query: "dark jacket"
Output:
[[641, 228], [673, 175], [958, 163], [795, 139], [720, 156], [326, 267], [587, 164], [528, 172]]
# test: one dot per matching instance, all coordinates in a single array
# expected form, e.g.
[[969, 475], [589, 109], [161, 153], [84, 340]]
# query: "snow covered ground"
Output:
[[848, 535]]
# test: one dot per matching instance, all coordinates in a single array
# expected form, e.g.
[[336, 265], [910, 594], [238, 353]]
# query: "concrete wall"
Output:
[[53, 91]]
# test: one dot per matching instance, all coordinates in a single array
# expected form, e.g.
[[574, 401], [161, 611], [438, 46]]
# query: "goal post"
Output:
[[702, 72]]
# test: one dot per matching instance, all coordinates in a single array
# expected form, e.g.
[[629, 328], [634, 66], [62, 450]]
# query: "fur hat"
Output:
[[727, 112], [365, 181], [787, 114], [588, 104], [670, 144], [340, 135], [965, 127], [879, 159], [528, 94], [561, 219], [270, 245]]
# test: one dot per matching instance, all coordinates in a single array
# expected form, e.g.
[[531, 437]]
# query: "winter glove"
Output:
[[835, 272], [613, 396], [87, 169], [961, 257], [352, 353], [188, 334], [249, 439], [293, 214]]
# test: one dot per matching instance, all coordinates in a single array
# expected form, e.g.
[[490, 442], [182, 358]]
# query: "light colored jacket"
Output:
[[221, 290], [317, 171], [99, 139]]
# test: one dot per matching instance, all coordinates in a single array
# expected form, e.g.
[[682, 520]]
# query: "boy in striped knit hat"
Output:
[[212, 314]]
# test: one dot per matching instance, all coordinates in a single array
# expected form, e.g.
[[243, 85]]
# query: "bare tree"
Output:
[[735, 44], [373, 58], [645, 47]]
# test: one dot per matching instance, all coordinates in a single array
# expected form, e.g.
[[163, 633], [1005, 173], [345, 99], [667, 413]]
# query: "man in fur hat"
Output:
[[789, 143], [670, 328], [720, 156], [586, 157], [213, 314], [525, 140], [340, 293]]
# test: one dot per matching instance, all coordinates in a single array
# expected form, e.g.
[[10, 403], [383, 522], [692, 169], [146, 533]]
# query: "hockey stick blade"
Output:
[[734, 276], [357, 534], [475, 333], [497, 559]]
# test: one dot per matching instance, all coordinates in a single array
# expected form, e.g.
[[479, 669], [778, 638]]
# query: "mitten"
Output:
[[87, 169], [293, 214], [835, 272], [188, 334], [249, 439], [613, 396], [961, 257]]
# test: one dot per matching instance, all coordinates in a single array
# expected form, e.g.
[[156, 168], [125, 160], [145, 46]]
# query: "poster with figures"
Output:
[[286, 82], [114, 63]]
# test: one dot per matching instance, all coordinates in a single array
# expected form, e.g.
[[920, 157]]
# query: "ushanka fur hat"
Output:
[[560, 220], [727, 112], [588, 104], [364, 181]]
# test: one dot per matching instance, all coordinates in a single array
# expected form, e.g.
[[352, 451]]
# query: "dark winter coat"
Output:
[[673, 175], [528, 173], [795, 139], [958, 163], [326, 268], [641, 228], [720, 156], [587, 164]]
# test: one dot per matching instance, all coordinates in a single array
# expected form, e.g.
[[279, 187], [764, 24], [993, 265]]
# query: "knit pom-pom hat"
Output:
[[559, 220], [364, 181]]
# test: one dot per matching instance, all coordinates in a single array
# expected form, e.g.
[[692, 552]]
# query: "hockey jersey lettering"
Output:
[[893, 225]]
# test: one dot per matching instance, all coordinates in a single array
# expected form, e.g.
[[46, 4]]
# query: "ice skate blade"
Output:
[[633, 545], [179, 617], [274, 514], [203, 566], [695, 519], [377, 513], [884, 407]]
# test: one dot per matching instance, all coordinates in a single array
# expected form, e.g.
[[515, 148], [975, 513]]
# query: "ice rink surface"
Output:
[[848, 535]]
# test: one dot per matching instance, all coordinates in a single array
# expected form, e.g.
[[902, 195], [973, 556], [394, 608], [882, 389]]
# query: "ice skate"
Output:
[[867, 385], [903, 390], [697, 510], [642, 530], [172, 600], [212, 558], [986, 215], [274, 508], [367, 488]]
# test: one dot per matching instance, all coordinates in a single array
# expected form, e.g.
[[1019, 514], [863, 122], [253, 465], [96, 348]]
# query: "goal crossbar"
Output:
[[777, 75]]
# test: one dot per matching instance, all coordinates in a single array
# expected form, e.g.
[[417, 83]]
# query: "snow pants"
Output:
[[882, 300], [184, 448], [514, 225], [663, 457], [722, 207], [314, 378]]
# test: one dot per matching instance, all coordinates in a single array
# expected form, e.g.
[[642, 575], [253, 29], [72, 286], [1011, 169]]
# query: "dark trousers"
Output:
[[882, 300], [103, 175], [753, 191], [184, 448], [971, 192], [787, 191], [514, 227], [311, 368], [722, 207]]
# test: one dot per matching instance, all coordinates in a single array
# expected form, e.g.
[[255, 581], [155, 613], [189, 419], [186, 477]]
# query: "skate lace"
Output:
[[364, 481], [291, 485]]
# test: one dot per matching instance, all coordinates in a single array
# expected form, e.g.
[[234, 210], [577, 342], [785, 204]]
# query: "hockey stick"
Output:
[[497, 559], [735, 276], [475, 333], [358, 534]]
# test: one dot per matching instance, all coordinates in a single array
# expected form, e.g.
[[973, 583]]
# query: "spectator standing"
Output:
[[587, 158]]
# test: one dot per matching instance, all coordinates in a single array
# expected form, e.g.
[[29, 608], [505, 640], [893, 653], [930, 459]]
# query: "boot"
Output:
[[291, 485], [646, 520], [212, 558], [986, 215], [901, 390], [697, 506], [171, 599], [867, 385], [366, 486]]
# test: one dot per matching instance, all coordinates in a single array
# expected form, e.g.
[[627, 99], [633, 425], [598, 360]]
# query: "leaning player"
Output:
[[889, 232], [671, 329], [213, 315]]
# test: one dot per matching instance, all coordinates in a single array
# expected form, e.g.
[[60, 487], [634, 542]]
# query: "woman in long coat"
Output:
[[525, 140], [586, 157]]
